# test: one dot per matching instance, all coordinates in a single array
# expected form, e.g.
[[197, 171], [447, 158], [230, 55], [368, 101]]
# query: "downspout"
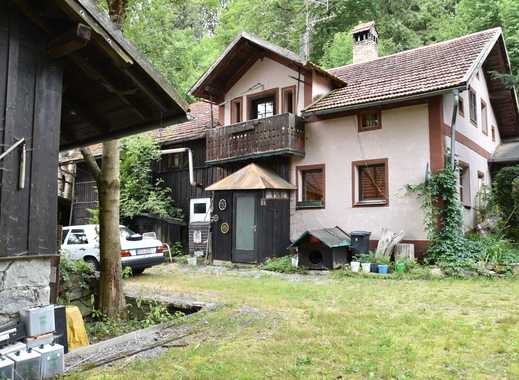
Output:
[[190, 158], [456, 97]]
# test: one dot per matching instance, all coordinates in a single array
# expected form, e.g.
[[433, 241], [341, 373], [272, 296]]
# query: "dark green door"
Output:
[[244, 238]]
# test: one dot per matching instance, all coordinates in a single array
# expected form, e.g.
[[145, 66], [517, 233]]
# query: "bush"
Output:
[[281, 264], [506, 191]]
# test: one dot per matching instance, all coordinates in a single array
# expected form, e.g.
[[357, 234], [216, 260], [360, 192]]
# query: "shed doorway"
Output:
[[244, 239]]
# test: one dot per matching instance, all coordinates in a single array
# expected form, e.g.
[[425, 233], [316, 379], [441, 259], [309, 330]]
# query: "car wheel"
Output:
[[137, 271], [92, 262]]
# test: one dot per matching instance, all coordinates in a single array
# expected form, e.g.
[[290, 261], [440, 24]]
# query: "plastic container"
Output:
[[6, 368], [52, 363], [355, 266], [39, 320], [360, 242], [383, 268], [374, 268], [27, 364], [400, 267], [366, 267]]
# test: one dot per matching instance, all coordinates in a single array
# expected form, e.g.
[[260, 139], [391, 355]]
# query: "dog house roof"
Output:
[[331, 237], [252, 177]]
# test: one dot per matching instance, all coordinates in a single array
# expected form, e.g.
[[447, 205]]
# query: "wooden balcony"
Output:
[[282, 134]]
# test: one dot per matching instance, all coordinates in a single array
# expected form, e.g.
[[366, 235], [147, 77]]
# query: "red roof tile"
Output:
[[423, 70]]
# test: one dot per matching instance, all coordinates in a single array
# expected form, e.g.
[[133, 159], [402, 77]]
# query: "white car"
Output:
[[137, 252]]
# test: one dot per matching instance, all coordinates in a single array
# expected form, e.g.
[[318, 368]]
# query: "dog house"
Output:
[[327, 248], [251, 215]]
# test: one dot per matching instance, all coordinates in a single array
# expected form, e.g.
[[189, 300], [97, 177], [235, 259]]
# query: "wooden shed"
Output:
[[251, 215], [327, 248], [67, 78]]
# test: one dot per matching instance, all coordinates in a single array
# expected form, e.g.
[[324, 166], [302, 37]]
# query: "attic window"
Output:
[[369, 121], [263, 105], [236, 110], [288, 97], [370, 183], [484, 118], [472, 107]]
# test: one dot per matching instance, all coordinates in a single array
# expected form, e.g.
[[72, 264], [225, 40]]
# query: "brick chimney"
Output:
[[365, 42]]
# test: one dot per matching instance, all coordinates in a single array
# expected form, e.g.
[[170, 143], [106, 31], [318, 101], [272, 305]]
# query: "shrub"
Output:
[[281, 264], [506, 190]]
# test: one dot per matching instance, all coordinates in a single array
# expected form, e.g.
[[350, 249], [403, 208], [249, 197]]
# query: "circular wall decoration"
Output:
[[224, 228], [222, 204]]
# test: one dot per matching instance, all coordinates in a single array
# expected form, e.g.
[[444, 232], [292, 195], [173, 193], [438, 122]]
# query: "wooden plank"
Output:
[[47, 120], [4, 60]]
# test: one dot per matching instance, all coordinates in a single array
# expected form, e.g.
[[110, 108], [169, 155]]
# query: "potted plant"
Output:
[[355, 264], [383, 264], [365, 263], [373, 261], [400, 266]]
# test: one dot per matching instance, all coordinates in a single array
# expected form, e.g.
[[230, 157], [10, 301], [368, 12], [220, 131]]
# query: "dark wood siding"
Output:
[[30, 99]]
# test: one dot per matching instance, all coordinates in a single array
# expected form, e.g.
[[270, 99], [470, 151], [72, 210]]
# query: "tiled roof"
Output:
[[200, 121], [423, 70]]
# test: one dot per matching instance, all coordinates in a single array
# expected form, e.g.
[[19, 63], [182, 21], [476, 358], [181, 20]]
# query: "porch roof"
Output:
[[508, 151], [252, 177]]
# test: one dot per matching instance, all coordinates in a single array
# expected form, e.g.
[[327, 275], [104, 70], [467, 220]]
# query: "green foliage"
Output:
[[102, 327], [177, 249], [94, 215], [140, 193], [496, 250], [444, 220], [281, 264], [73, 273], [506, 189]]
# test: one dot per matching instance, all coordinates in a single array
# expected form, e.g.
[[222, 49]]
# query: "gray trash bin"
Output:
[[360, 242]]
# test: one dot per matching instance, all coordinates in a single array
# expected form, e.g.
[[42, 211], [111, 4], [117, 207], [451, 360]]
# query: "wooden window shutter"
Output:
[[372, 182]]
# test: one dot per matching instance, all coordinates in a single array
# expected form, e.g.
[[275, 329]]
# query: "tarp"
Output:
[[252, 177]]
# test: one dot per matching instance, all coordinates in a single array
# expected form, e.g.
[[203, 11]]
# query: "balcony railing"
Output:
[[282, 134]]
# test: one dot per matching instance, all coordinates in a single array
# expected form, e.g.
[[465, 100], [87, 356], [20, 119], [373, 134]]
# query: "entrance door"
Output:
[[244, 238]]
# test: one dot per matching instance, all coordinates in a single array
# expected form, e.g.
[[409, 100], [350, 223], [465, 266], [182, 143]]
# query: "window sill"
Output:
[[371, 204], [309, 205], [369, 129]]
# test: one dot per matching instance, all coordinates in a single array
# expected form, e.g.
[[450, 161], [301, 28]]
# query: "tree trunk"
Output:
[[111, 300]]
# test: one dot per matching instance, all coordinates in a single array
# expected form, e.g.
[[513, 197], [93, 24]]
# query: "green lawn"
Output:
[[272, 327]]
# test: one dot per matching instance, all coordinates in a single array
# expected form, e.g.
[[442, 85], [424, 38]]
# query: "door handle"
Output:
[[82, 249], [254, 228]]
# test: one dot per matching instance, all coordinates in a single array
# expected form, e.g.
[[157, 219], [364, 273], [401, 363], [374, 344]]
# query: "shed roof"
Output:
[[420, 72], [508, 151], [252, 177], [110, 90], [331, 237]]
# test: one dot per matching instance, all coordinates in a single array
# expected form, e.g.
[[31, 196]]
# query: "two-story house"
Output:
[[349, 140]]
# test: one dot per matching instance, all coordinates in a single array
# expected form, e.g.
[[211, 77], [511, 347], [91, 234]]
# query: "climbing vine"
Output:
[[444, 221]]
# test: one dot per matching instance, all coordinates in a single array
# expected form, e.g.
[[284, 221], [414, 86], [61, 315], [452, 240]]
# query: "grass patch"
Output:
[[349, 328], [281, 265]]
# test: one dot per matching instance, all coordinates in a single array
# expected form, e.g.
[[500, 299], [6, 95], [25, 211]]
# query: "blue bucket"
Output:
[[383, 269]]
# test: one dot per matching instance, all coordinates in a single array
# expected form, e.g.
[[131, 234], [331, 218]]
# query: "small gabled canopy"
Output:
[[239, 56], [252, 177], [507, 152], [331, 237], [109, 89]]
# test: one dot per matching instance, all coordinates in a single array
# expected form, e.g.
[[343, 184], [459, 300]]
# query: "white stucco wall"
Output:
[[403, 140], [270, 74], [475, 161], [320, 85]]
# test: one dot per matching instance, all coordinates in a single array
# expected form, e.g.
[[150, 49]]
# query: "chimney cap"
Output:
[[362, 27]]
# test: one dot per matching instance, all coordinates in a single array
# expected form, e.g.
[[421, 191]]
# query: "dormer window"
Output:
[[369, 120]]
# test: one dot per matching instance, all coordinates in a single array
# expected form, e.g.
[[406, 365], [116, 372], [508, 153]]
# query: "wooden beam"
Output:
[[70, 41]]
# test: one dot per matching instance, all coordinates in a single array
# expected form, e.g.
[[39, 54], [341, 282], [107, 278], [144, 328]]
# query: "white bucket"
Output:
[[355, 266], [295, 261], [366, 267]]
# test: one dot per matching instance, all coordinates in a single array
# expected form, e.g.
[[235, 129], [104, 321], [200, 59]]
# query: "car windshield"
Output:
[[126, 232]]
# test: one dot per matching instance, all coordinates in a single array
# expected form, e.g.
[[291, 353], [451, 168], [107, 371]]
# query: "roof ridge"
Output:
[[497, 28]]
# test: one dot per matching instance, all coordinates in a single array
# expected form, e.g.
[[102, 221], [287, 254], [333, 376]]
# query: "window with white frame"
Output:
[[464, 184]]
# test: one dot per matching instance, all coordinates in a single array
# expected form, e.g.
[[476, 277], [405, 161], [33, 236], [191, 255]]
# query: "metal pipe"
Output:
[[21, 173], [11, 148], [190, 158], [456, 97]]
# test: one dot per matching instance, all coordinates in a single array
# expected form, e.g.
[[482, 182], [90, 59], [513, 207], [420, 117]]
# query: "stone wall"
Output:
[[24, 283]]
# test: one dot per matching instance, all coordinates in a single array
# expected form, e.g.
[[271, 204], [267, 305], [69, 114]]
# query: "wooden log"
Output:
[[404, 251]]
